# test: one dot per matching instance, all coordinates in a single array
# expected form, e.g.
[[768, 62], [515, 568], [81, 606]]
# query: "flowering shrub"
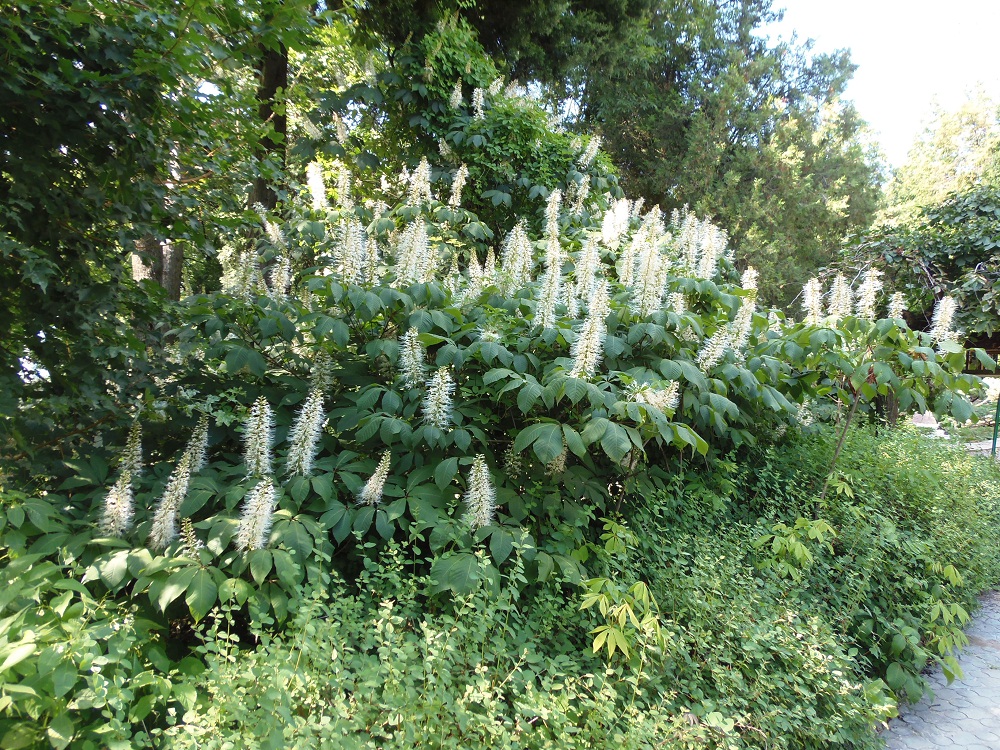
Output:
[[477, 359]]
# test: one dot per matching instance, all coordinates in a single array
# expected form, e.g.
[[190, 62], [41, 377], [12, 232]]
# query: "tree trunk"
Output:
[[272, 76], [147, 260]]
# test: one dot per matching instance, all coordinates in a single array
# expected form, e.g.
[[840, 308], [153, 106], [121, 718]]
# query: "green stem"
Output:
[[840, 444]]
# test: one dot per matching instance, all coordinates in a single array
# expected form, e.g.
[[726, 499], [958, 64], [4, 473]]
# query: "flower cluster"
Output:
[[411, 358], [456, 95], [437, 400], [897, 305], [371, 493], [420, 184], [255, 520], [943, 319], [588, 347], [258, 434], [457, 183], [414, 263], [317, 188], [305, 434], [868, 294], [516, 260], [841, 298], [664, 399], [480, 498], [116, 516], [812, 302]]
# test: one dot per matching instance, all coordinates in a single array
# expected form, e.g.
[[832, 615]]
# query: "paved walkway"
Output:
[[966, 714]]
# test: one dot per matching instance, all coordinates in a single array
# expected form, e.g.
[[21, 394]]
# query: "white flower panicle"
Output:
[[677, 302], [281, 278], [344, 188], [322, 372], [457, 183], [805, 414], [198, 447], [588, 261], [841, 298], [341, 127], [664, 399], [373, 259], [351, 253], [420, 184], [371, 493], [258, 434], [868, 294], [589, 153], [164, 529], [588, 348], [490, 267], [701, 244], [773, 322], [514, 90], [580, 197], [516, 260], [615, 223], [475, 284], [456, 95], [942, 320], [317, 188], [741, 327], [713, 249], [241, 276], [712, 352], [897, 305], [131, 460], [480, 497], [437, 400], [411, 358], [116, 516], [488, 335], [413, 255], [550, 295], [313, 132], [478, 104], [812, 302], [552, 207], [305, 435], [496, 87], [626, 264], [255, 521], [274, 235], [444, 149], [650, 277]]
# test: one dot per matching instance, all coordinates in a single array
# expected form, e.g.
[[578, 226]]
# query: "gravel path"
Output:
[[965, 714]]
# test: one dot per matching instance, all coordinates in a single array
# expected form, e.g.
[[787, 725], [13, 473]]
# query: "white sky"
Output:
[[909, 53]]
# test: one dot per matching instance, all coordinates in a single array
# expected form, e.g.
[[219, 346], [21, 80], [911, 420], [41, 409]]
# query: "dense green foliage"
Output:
[[950, 248], [448, 442], [751, 655]]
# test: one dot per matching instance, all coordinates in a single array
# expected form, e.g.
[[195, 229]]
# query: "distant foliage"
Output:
[[948, 249]]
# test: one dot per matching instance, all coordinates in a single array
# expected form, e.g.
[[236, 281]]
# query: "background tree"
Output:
[[955, 152]]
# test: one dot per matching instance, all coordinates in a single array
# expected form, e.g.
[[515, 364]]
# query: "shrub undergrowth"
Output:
[[750, 656]]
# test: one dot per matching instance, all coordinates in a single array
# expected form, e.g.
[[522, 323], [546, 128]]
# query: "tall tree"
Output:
[[955, 152]]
